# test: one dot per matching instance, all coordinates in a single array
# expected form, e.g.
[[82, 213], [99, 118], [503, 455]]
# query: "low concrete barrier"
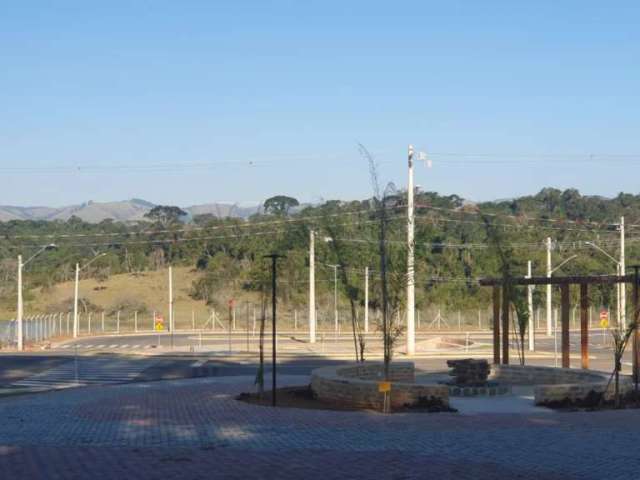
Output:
[[357, 385]]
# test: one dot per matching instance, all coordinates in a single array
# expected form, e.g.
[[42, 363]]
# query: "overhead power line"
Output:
[[292, 220], [519, 218]]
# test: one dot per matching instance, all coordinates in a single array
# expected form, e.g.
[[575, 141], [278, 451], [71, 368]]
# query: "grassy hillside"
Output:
[[146, 292]]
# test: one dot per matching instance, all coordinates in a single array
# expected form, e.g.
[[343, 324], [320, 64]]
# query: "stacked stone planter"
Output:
[[470, 379], [469, 372], [557, 384], [357, 386]]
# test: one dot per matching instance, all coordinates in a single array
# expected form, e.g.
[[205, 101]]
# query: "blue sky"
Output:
[[199, 101]]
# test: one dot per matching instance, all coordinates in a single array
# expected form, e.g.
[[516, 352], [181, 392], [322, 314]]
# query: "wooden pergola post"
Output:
[[584, 324], [564, 282], [505, 324], [496, 324], [565, 312]]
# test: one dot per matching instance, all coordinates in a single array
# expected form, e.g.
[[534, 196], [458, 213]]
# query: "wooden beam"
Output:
[[505, 325], [573, 280], [584, 324], [565, 308], [496, 324]]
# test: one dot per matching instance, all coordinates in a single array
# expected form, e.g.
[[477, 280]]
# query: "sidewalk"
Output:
[[195, 429]]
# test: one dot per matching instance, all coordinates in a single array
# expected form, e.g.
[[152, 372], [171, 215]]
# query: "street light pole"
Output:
[[620, 293], [335, 296], [19, 307], [549, 325], [312, 288], [76, 326], [623, 286], [75, 302], [549, 273], [274, 259], [366, 299], [530, 310]]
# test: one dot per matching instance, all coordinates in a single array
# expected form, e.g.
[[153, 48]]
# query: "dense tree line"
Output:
[[453, 245]]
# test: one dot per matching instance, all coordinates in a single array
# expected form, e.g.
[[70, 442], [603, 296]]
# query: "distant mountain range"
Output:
[[123, 211]]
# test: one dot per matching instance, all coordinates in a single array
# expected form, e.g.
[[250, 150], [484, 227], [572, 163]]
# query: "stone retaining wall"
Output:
[[398, 372], [557, 384], [573, 392], [535, 375], [357, 385]]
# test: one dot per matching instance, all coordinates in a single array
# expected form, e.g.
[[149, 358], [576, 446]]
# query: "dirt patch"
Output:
[[303, 397], [427, 405], [291, 397], [594, 401]]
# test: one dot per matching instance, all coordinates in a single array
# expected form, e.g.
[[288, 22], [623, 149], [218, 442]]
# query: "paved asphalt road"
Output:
[[147, 357]]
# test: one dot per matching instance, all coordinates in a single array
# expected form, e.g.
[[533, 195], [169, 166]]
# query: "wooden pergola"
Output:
[[501, 315]]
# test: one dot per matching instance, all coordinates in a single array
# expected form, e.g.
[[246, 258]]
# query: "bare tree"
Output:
[[620, 342], [380, 209]]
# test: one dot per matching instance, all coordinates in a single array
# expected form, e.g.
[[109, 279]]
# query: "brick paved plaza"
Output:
[[195, 429]]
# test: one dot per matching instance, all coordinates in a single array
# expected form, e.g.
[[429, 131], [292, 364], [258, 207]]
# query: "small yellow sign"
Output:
[[604, 323], [384, 387], [159, 323]]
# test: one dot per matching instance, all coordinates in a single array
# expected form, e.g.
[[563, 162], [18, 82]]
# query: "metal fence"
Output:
[[57, 326]]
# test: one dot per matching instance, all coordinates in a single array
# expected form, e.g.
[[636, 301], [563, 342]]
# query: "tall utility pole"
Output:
[[530, 310], [411, 299], [274, 258], [549, 319], [312, 288], [20, 307], [623, 271], [366, 299], [75, 302], [170, 299]]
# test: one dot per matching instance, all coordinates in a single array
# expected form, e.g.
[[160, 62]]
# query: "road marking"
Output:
[[199, 363], [136, 346], [88, 371], [113, 346]]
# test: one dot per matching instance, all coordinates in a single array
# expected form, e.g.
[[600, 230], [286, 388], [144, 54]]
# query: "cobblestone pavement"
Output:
[[195, 429]]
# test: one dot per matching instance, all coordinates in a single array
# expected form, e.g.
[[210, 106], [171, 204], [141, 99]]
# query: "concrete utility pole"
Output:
[[549, 319], [411, 300], [623, 271], [75, 302], [312, 288], [530, 310], [20, 307], [335, 296], [366, 299], [170, 299]]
